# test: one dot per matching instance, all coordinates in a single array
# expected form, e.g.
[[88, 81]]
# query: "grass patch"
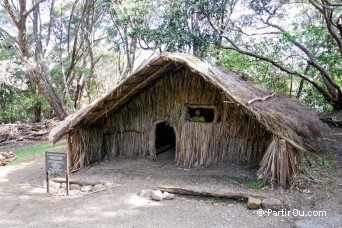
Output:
[[253, 184], [245, 182], [40, 148], [320, 168], [214, 201]]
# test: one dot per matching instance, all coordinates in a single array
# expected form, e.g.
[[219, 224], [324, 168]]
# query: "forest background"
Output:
[[57, 56]]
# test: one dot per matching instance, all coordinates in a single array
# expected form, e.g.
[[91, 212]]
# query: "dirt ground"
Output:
[[23, 204]]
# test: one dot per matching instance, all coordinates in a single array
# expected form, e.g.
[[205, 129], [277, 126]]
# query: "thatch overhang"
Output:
[[284, 117]]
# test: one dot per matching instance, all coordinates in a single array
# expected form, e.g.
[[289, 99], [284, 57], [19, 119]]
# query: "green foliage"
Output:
[[320, 162], [6, 51], [255, 71], [126, 27], [19, 105], [253, 184], [214, 201], [247, 182], [319, 167]]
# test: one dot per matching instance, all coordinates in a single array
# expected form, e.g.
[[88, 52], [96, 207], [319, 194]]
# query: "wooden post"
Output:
[[67, 174], [67, 182], [47, 183]]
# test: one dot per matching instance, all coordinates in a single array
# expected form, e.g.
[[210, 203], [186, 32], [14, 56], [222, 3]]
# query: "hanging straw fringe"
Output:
[[280, 162]]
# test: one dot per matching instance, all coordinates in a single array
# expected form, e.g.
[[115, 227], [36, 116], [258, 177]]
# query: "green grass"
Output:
[[213, 201], [320, 168], [253, 184], [245, 182], [40, 148]]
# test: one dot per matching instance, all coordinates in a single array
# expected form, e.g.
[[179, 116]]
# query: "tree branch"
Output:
[[271, 61], [9, 36], [50, 26], [10, 11], [331, 27], [33, 8], [313, 61]]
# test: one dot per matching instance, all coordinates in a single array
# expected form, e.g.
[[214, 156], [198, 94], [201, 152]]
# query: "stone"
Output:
[[87, 188], [307, 191], [168, 196], [62, 185], [253, 203], [108, 184], [98, 187], [157, 195], [75, 187], [146, 193], [2, 157], [273, 204]]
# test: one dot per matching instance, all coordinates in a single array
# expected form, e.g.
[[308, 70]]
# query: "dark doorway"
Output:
[[165, 139]]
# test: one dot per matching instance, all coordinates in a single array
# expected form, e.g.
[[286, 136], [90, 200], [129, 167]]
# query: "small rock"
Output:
[[157, 195], [307, 191], [98, 187], [253, 203], [273, 204], [75, 187], [108, 184], [168, 196], [87, 188], [146, 193]]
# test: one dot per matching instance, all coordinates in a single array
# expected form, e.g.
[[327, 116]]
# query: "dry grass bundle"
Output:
[[280, 163]]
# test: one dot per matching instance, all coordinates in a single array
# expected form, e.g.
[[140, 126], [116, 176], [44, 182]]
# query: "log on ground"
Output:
[[226, 195], [79, 182]]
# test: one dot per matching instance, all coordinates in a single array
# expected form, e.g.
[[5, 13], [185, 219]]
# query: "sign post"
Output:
[[56, 162]]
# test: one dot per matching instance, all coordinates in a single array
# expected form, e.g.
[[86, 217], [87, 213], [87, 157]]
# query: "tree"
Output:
[[38, 70], [177, 26], [261, 33], [78, 29]]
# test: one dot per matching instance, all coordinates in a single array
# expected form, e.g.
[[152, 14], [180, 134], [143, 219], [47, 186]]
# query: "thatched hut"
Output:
[[152, 108]]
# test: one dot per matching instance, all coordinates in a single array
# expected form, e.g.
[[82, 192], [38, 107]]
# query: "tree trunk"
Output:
[[39, 73], [49, 92], [38, 112]]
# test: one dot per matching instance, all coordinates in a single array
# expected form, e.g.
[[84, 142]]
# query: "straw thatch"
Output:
[[251, 125]]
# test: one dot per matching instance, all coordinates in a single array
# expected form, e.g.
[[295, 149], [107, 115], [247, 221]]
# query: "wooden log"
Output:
[[226, 195], [331, 122], [7, 157], [100, 190], [75, 181]]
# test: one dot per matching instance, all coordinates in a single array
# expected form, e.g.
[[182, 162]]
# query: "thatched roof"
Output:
[[283, 116]]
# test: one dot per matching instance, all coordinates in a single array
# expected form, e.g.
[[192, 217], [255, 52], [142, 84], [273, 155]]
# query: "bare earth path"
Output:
[[24, 205]]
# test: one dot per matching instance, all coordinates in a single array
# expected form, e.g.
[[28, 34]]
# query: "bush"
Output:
[[21, 105]]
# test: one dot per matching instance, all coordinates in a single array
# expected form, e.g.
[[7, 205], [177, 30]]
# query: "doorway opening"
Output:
[[165, 140]]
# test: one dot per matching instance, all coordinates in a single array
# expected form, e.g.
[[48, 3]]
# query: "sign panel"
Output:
[[56, 162]]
